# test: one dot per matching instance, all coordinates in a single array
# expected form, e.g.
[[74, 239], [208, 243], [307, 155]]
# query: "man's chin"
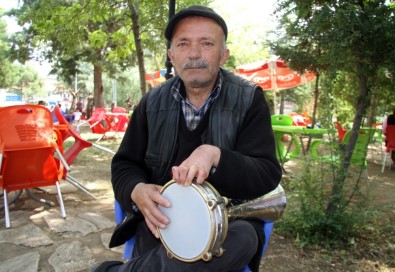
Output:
[[197, 83]]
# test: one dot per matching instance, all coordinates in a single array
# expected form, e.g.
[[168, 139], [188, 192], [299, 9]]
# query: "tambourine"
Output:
[[198, 222], [199, 218]]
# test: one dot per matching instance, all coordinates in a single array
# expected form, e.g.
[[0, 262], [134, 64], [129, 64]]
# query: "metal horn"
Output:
[[270, 206]]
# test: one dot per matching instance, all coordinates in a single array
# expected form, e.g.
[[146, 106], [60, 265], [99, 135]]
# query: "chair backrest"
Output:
[[282, 120], [361, 146], [119, 121], [390, 138], [119, 110], [26, 126], [99, 123], [27, 136], [79, 143], [62, 121], [340, 130]]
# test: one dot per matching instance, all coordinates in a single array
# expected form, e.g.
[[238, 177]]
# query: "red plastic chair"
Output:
[[72, 152], [119, 110], [389, 145], [340, 130], [79, 143], [28, 149], [119, 119], [99, 123]]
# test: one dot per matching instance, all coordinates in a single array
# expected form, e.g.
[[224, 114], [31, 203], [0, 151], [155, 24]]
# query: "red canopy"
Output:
[[273, 75]]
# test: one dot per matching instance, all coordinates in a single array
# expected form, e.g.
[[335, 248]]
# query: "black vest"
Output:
[[163, 112]]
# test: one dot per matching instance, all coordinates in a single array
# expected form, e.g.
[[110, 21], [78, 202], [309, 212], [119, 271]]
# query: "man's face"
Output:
[[197, 51]]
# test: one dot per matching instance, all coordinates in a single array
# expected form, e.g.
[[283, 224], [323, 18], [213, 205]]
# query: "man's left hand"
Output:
[[197, 165]]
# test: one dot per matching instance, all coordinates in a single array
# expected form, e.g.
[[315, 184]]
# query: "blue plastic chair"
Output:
[[128, 249]]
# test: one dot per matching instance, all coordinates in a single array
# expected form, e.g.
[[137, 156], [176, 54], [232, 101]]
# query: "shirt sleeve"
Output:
[[127, 166]]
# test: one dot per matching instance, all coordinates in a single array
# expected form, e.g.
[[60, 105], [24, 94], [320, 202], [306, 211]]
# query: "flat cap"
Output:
[[194, 11]]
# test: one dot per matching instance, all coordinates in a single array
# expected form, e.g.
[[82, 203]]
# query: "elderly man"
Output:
[[203, 124]]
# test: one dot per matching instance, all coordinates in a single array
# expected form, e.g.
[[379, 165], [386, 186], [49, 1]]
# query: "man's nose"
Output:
[[195, 51]]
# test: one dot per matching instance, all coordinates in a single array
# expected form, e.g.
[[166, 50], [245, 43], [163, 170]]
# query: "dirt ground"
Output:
[[371, 253], [375, 253]]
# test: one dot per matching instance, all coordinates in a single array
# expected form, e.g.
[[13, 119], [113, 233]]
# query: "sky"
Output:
[[239, 14], [42, 68], [12, 26]]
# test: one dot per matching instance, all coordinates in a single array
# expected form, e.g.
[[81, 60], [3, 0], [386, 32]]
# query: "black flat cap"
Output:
[[194, 11]]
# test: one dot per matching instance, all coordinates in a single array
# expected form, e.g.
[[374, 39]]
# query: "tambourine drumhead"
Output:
[[189, 230]]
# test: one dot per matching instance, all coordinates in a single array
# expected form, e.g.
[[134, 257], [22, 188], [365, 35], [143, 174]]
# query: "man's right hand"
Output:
[[147, 197]]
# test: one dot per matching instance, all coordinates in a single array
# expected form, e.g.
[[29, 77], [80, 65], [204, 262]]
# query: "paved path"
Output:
[[41, 240]]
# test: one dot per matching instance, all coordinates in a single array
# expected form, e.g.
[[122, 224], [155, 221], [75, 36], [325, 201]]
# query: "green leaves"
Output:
[[98, 38]]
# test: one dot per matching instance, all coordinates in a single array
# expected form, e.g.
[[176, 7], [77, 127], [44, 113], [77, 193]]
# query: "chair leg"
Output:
[[38, 199], [78, 185], [384, 160], [62, 210], [103, 148], [101, 137], [6, 211]]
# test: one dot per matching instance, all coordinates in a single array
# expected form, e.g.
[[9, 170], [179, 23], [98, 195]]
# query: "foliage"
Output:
[[306, 217], [9, 72], [23, 79], [347, 38], [103, 34], [126, 84], [344, 41]]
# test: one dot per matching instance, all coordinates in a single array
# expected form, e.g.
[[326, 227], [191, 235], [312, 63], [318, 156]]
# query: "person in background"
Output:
[[203, 124], [89, 106], [77, 118], [55, 120], [389, 121], [41, 102]]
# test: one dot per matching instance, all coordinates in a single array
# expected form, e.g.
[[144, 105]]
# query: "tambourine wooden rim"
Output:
[[218, 217]]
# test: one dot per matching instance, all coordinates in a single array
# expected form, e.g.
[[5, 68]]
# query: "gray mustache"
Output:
[[195, 64]]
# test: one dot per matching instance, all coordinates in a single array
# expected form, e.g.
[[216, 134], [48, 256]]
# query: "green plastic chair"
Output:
[[361, 147], [282, 120], [358, 157], [284, 153]]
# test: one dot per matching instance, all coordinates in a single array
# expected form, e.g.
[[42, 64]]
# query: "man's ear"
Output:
[[225, 56], [170, 54]]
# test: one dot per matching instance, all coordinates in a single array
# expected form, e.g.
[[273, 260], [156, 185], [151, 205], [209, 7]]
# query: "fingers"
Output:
[[197, 166], [152, 228], [185, 175], [147, 197]]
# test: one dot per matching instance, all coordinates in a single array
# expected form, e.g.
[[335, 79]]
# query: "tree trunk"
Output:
[[282, 102], [98, 100], [139, 48], [316, 94], [362, 104], [73, 101], [372, 112]]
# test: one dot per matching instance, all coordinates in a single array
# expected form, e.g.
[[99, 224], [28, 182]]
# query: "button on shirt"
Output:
[[191, 114]]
